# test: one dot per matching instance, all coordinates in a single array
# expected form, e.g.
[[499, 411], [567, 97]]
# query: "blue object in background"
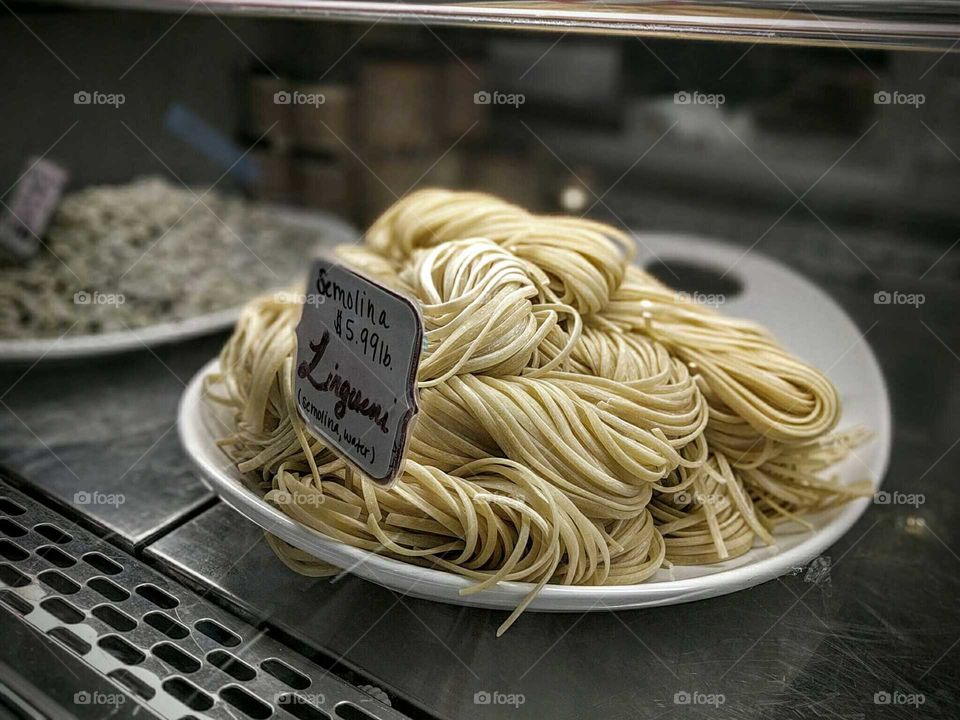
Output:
[[211, 143]]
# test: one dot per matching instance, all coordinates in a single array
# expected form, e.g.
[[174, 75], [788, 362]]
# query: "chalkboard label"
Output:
[[355, 376]]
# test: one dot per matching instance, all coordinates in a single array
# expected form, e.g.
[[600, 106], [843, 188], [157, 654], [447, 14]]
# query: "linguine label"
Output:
[[355, 377], [25, 219]]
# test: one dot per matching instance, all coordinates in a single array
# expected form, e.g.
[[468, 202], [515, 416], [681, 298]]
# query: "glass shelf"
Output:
[[931, 25]]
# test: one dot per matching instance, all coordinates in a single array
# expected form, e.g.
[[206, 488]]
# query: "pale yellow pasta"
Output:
[[580, 423]]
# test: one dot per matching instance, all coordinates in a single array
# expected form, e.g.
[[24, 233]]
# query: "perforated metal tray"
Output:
[[162, 646]]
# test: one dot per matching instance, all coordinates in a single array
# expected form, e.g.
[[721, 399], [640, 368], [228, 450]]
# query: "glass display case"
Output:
[[167, 162]]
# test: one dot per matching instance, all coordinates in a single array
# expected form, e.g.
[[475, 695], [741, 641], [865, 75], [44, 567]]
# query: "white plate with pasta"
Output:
[[802, 317], [189, 280]]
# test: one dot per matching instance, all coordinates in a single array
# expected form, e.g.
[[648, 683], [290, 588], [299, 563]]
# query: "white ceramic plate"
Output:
[[331, 229], [805, 319]]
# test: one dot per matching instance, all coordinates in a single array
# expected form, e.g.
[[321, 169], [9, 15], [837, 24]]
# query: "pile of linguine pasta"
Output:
[[581, 423]]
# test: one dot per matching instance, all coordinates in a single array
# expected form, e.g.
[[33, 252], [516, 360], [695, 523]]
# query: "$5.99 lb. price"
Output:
[[368, 341]]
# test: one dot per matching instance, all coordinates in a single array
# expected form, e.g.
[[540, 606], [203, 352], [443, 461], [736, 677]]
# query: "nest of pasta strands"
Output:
[[580, 424]]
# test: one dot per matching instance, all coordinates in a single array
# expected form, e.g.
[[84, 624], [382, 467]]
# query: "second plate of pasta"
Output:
[[146, 263]]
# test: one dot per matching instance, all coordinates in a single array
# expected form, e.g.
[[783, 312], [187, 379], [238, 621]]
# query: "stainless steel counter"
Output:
[[99, 437], [875, 618]]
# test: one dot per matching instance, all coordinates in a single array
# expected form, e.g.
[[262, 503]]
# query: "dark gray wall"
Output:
[[154, 60]]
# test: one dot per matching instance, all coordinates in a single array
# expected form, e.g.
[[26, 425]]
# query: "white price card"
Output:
[[355, 376]]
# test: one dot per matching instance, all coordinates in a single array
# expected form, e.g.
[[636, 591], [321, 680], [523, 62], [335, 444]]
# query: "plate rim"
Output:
[[445, 587]]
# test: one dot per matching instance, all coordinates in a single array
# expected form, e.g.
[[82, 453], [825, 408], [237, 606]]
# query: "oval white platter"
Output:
[[333, 231], [801, 316]]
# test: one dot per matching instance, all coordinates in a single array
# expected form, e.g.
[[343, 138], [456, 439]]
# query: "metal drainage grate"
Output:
[[162, 644]]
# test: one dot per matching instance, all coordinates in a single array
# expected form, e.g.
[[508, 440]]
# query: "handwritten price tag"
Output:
[[358, 350]]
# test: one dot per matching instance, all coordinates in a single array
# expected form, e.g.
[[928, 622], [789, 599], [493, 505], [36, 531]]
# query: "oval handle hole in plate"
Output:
[[696, 279]]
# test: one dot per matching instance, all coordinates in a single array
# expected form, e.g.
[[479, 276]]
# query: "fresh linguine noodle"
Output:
[[580, 423]]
